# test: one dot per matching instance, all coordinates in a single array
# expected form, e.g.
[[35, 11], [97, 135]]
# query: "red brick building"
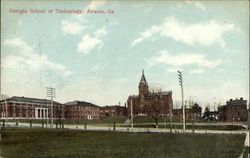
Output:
[[148, 103], [189, 113], [112, 111], [79, 110], [234, 110], [30, 108]]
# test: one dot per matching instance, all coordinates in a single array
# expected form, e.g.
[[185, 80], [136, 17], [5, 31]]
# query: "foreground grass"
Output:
[[39, 143]]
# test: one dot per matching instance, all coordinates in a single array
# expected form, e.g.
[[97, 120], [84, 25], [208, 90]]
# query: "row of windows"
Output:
[[84, 112], [85, 117], [82, 107]]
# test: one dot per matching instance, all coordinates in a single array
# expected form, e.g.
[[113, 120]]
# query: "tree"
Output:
[[155, 89], [207, 110], [156, 109], [196, 109]]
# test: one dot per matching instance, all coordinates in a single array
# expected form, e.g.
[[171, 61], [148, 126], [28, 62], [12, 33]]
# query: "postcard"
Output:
[[124, 78]]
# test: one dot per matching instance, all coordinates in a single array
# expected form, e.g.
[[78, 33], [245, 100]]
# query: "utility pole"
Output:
[[131, 114], [182, 100], [248, 119], [6, 110], [51, 92], [47, 117], [171, 116]]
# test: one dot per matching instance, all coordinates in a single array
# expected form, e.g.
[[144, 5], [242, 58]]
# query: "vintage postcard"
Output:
[[126, 78]]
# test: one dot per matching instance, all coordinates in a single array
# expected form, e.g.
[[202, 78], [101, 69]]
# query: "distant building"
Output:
[[234, 110], [112, 111], [148, 103], [79, 110], [30, 108], [189, 113]]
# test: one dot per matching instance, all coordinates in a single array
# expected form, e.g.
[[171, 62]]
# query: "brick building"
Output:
[[234, 110], [148, 103], [30, 108], [189, 113], [112, 111], [79, 110]]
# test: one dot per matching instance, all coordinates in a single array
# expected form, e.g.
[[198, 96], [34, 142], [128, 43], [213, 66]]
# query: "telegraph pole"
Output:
[[51, 92], [182, 100], [131, 114], [248, 120], [171, 116]]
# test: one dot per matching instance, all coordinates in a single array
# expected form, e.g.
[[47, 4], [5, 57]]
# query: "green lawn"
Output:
[[48, 143]]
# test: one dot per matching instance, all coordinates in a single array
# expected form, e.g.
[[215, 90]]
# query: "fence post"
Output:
[[62, 124], [56, 124], [42, 124], [3, 123], [114, 126], [30, 123], [17, 123], [193, 126], [85, 125], [77, 123]]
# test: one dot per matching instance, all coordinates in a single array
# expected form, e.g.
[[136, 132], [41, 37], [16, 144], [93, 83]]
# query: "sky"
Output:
[[99, 57]]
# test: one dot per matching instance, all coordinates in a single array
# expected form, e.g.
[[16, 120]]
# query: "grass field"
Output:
[[51, 143]]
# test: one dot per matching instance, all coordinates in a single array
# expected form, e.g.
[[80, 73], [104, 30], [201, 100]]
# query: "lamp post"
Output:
[[182, 100], [51, 92]]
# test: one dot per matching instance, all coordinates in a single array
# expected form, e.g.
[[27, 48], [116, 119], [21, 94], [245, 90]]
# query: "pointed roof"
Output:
[[143, 79]]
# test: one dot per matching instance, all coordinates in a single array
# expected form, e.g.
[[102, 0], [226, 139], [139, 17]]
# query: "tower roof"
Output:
[[143, 80]]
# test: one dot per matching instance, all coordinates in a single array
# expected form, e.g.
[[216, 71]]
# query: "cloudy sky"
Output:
[[99, 57]]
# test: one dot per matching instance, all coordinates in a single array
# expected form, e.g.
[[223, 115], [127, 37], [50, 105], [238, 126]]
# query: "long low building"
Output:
[[34, 108], [30, 108], [78, 110]]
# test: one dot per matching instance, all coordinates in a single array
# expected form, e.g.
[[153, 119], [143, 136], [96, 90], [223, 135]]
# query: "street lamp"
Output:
[[51, 92], [182, 100]]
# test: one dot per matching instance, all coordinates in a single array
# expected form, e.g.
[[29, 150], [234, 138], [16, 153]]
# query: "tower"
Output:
[[143, 86]]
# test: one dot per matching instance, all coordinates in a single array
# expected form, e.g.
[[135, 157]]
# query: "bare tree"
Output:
[[155, 90]]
